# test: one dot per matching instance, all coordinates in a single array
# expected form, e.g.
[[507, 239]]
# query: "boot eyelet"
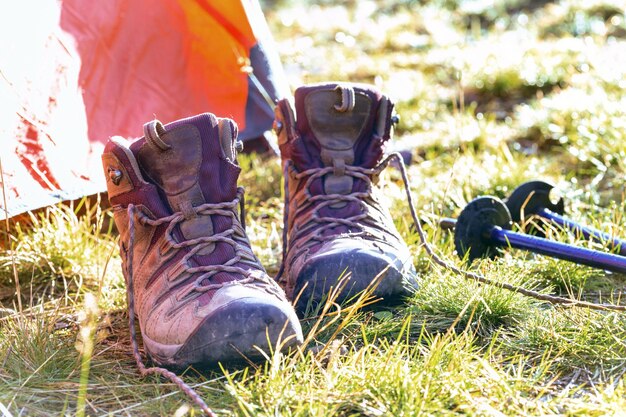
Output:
[[115, 175]]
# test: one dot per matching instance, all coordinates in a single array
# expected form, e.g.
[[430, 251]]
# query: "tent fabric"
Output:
[[75, 72]]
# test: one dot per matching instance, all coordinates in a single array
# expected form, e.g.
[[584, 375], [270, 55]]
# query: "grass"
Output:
[[490, 94]]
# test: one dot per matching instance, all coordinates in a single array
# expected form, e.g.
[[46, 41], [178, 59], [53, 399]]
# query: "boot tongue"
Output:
[[192, 161], [333, 119]]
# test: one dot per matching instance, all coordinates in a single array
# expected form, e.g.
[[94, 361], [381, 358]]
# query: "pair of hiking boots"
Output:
[[200, 293]]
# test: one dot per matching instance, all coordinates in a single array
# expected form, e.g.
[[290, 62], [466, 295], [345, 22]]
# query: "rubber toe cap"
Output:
[[245, 328], [361, 265]]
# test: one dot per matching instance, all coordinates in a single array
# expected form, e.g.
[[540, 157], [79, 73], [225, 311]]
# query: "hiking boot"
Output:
[[199, 292], [335, 225]]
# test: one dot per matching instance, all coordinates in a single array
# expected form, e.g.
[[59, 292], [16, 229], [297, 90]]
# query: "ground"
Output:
[[490, 94]]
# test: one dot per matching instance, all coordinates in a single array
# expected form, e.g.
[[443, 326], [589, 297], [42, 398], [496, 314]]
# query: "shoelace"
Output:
[[315, 234], [243, 254], [143, 369]]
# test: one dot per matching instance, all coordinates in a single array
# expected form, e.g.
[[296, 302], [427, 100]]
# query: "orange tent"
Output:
[[75, 72]]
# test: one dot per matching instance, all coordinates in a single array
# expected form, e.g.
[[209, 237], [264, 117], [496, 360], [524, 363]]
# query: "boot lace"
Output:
[[364, 224], [234, 236]]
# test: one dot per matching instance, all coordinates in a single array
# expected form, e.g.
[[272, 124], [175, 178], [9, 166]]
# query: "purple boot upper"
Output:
[[331, 146]]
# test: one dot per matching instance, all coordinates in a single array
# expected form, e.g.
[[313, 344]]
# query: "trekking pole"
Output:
[[533, 198], [485, 223]]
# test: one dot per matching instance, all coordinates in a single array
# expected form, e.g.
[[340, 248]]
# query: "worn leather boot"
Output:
[[199, 292], [335, 224]]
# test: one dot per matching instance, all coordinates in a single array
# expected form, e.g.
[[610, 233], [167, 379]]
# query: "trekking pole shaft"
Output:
[[587, 232], [589, 257], [447, 223]]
